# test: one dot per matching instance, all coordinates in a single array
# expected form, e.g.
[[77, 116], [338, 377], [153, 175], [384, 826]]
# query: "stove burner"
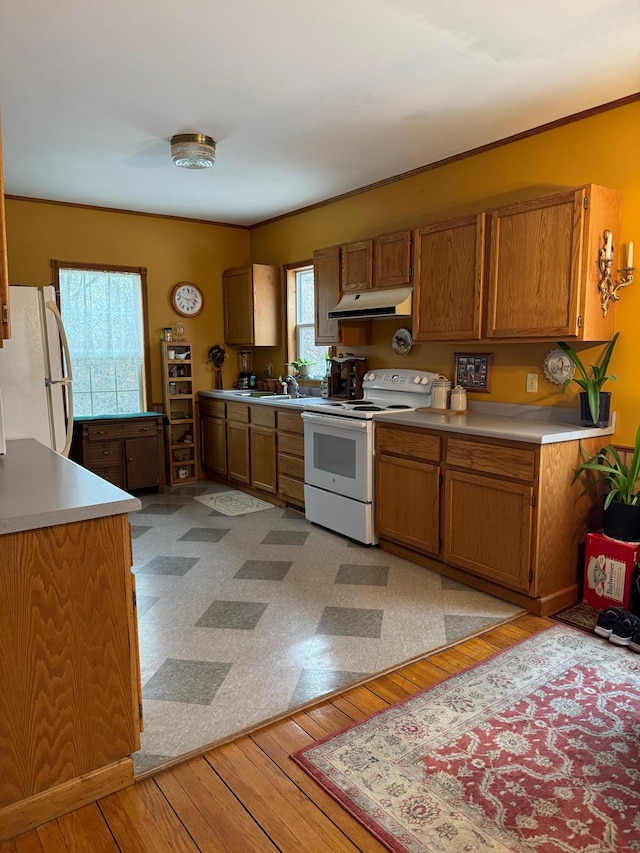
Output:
[[398, 406], [366, 408]]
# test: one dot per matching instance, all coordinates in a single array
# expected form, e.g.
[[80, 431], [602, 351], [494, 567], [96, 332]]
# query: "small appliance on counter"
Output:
[[246, 376], [345, 377]]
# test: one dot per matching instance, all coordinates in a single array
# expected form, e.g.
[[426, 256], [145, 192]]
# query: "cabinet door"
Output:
[[392, 267], [213, 445], [237, 294], [449, 259], [141, 461], [534, 268], [487, 527], [263, 458], [326, 280], [357, 265], [238, 467], [408, 502]]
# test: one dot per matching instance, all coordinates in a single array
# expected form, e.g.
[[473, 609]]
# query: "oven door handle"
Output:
[[336, 421]]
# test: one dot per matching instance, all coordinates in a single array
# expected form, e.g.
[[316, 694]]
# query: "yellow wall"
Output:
[[601, 149], [172, 251]]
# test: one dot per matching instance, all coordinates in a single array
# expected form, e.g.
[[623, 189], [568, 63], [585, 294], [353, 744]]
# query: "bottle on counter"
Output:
[[458, 399], [440, 389]]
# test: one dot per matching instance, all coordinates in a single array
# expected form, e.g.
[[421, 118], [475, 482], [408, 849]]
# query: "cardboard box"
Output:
[[608, 571]]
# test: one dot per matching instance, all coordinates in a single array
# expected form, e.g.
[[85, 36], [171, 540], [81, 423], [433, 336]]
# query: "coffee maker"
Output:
[[246, 377]]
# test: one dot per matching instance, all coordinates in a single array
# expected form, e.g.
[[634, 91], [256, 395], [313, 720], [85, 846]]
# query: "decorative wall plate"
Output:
[[401, 341], [558, 367]]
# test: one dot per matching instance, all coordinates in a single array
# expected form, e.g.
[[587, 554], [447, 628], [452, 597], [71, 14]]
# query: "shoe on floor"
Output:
[[607, 619], [624, 629], [634, 645]]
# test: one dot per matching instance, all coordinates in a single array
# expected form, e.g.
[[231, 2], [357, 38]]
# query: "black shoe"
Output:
[[607, 619], [624, 629]]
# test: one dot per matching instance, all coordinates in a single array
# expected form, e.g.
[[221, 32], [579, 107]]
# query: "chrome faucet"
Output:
[[294, 388]]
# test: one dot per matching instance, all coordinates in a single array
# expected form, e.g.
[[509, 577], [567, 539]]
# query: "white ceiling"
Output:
[[306, 100]]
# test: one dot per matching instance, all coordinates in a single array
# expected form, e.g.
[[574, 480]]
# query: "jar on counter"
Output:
[[458, 399], [440, 389]]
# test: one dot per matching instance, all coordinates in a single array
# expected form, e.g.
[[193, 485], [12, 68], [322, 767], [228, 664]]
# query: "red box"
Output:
[[608, 571]]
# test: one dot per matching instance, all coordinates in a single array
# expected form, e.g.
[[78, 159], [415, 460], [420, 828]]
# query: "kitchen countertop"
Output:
[[40, 488], [510, 421]]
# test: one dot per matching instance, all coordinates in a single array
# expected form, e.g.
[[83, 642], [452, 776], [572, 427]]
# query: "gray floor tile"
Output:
[[203, 534], [193, 681], [160, 509], [138, 530], [352, 573], [266, 570], [240, 615], [351, 622], [167, 566], [449, 583], [285, 537], [317, 682], [144, 602], [461, 626], [143, 761]]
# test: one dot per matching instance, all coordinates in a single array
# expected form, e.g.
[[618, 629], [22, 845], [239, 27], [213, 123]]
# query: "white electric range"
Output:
[[339, 449]]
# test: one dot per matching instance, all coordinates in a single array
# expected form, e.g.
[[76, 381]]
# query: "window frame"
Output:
[[57, 265], [291, 345]]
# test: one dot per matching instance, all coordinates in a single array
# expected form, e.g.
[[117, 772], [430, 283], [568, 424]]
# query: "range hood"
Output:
[[374, 304]]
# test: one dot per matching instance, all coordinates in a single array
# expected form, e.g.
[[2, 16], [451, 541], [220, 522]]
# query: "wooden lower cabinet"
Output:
[[213, 436], [291, 457], [238, 451], [70, 696], [506, 518], [264, 474]]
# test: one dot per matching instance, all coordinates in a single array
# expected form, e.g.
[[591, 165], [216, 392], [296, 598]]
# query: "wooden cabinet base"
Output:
[[55, 802], [538, 606]]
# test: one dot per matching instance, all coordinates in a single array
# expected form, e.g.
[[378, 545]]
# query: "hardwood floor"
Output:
[[247, 796]]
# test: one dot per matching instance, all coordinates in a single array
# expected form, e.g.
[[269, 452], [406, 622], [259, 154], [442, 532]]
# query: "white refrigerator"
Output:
[[36, 399]]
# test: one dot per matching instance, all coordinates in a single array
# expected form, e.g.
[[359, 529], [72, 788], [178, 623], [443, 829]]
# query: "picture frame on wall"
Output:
[[472, 370]]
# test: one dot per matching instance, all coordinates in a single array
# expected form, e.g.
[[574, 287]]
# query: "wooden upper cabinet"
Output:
[[5, 325], [251, 297], [326, 280], [543, 266], [449, 264], [392, 260], [357, 266]]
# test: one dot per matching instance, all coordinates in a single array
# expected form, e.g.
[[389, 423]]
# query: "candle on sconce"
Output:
[[609, 245], [630, 255]]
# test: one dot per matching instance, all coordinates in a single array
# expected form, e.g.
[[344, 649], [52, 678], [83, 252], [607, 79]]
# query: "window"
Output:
[[103, 310], [302, 320]]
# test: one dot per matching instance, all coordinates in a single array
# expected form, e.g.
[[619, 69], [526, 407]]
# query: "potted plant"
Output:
[[216, 356], [618, 478], [302, 365], [594, 402]]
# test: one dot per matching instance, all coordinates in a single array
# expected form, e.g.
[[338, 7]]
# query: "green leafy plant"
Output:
[[301, 362], [217, 355], [592, 382], [617, 477]]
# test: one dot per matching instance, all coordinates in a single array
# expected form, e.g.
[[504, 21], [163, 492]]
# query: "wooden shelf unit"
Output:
[[179, 406]]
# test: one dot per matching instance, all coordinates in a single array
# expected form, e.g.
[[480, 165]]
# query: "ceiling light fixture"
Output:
[[193, 150]]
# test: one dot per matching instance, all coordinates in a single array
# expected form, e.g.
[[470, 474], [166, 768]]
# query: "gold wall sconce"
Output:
[[609, 289]]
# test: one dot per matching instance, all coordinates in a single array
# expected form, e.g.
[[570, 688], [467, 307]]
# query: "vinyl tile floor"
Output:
[[242, 618]]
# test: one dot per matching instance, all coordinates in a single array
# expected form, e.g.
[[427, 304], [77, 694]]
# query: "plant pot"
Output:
[[585, 412], [622, 521], [303, 371]]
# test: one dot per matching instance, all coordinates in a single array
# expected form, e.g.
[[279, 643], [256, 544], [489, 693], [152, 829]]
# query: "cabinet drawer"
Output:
[[291, 466], [519, 464], [263, 416], [291, 488], [290, 421], [211, 408], [415, 443], [291, 444], [113, 475], [122, 429], [105, 454], [238, 412]]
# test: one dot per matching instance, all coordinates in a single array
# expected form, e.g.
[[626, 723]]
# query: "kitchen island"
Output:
[[70, 697]]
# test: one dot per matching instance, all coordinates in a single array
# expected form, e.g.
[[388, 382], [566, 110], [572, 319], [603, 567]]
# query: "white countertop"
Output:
[[40, 488], [513, 422]]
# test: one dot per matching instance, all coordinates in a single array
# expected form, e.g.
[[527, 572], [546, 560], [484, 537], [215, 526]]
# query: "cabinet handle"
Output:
[[107, 452], [101, 432], [146, 429]]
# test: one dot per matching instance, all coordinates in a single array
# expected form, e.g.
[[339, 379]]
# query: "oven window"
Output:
[[334, 455]]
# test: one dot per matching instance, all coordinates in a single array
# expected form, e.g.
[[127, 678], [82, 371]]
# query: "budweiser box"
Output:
[[608, 571]]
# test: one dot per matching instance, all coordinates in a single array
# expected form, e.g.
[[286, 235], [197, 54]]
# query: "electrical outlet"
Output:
[[532, 383]]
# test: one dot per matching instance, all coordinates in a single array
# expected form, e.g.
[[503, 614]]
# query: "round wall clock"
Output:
[[187, 299], [558, 367]]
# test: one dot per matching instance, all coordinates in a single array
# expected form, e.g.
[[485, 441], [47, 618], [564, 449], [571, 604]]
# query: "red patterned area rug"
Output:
[[535, 751]]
